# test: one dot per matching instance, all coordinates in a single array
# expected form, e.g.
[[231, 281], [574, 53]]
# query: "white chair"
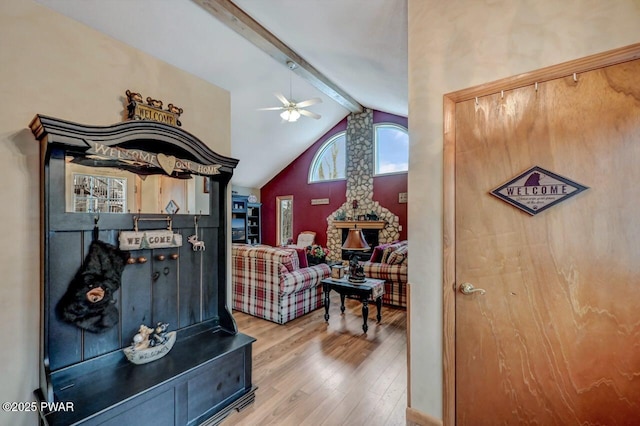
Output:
[[305, 239]]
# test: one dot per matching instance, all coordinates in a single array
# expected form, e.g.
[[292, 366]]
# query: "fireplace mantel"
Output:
[[362, 224]]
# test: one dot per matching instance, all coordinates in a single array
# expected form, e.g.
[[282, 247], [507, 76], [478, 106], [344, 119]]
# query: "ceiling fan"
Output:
[[292, 110]]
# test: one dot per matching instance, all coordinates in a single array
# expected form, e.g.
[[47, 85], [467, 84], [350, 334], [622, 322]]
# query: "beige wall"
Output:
[[55, 66], [463, 43]]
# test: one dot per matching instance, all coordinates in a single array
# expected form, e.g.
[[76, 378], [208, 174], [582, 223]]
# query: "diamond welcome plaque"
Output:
[[537, 189]]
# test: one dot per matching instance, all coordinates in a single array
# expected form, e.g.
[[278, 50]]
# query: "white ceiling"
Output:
[[360, 45]]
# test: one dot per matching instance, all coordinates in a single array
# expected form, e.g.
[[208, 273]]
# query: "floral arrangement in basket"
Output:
[[316, 254]]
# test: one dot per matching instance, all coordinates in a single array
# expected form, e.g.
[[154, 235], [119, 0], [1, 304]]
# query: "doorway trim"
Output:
[[575, 67]]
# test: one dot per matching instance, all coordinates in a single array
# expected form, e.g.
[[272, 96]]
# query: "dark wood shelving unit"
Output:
[[239, 218], [246, 220], [207, 373], [254, 223]]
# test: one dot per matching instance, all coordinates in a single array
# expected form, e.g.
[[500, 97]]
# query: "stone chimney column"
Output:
[[360, 161], [360, 171]]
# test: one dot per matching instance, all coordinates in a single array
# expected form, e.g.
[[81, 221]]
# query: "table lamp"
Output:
[[355, 242]]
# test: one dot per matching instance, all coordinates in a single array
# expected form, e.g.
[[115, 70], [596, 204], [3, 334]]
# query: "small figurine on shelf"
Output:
[[141, 340], [159, 335], [150, 344]]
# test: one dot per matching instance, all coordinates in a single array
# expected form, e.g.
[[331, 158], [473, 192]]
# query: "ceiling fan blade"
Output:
[[309, 102], [271, 109], [309, 113], [282, 99]]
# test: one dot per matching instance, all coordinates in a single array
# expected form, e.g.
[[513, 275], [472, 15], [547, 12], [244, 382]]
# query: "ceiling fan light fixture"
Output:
[[290, 115]]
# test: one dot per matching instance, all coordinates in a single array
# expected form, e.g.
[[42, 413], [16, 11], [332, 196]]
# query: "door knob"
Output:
[[468, 288]]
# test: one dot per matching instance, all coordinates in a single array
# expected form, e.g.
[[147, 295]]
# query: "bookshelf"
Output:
[[245, 220]]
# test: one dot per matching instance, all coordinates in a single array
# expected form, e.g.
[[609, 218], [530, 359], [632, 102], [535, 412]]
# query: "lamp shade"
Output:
[[355, 240]]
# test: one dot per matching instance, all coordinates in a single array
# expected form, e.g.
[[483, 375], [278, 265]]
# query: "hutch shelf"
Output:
[[207, 373]]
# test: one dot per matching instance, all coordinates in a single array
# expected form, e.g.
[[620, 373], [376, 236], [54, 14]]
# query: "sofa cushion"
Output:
[[384, 271], [303, 279], [398, 256], [390, 249]]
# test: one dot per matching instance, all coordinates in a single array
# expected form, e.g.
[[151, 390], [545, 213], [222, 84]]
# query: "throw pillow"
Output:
[[387, 252], [376, 255], [287, 259], [398, 256], [302, 257]]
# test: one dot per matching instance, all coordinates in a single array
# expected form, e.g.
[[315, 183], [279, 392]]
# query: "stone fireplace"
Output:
[[383, 226]]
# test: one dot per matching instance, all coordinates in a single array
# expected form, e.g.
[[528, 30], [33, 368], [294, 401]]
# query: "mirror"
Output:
[[284, 219], [111, 190]]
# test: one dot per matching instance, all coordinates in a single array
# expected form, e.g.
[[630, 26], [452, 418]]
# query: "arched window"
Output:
[[329, 163], [391, 149]]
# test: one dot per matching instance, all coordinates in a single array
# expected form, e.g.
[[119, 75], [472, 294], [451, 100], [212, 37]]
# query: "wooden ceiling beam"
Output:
[[236, 19]]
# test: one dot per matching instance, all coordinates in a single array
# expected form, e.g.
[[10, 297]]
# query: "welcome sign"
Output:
[[168, 163], [537, 189], [132, 240]]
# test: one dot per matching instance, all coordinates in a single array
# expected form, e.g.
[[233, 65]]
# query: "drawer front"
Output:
[[212, 386], [157, 411]]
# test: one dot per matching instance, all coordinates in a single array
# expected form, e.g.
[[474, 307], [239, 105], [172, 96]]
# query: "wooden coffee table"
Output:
[[371, 290]]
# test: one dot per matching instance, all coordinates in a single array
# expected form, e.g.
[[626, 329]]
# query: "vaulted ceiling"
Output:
[[357, 46]]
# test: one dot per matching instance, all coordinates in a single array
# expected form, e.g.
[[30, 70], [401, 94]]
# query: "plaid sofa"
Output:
[[269, 283], [389, 262]]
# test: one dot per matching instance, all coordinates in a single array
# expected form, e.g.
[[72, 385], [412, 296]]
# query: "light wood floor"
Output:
[[311, 373]]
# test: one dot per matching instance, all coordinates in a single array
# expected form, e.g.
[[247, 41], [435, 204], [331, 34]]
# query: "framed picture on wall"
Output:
[[205, 184]]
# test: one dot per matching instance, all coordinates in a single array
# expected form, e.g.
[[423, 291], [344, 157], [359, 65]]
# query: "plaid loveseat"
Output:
[[269, 283], [389, 262]]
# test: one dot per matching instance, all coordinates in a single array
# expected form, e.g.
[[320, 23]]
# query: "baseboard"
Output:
[[418, 418]]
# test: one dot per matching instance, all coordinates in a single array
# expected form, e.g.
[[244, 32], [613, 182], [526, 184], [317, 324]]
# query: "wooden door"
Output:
[[555, 340]]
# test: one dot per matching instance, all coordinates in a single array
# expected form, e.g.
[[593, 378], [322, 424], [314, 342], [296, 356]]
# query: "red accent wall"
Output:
[[292, 180]]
